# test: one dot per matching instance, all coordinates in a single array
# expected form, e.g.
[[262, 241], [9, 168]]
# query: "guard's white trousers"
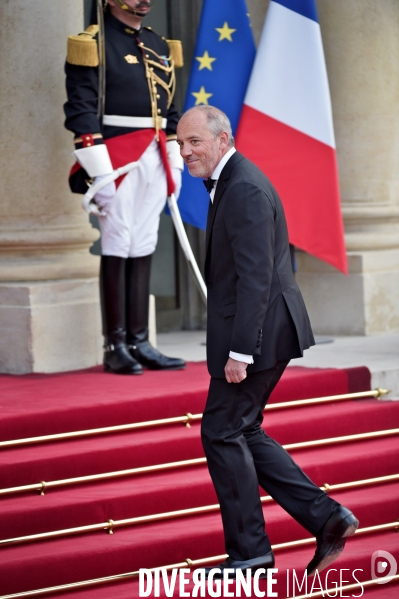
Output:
[[130, 227]]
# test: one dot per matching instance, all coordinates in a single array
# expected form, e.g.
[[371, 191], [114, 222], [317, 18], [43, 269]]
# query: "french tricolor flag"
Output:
[[286, 128]]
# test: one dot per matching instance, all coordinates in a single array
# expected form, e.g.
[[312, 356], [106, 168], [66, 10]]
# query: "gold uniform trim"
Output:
[[131, 59], [176, 52], [82, 49], [80, 140], [152, 60]]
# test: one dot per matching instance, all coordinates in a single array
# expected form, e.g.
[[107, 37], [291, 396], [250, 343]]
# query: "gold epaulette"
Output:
[[82, 48], [176, 52]]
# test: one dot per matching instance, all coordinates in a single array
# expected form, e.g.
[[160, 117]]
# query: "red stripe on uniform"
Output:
[[129, 147]]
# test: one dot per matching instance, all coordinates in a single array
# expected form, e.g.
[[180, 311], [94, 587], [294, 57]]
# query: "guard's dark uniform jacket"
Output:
[[139, 82]]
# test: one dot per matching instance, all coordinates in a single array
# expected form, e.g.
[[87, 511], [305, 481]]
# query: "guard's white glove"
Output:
[[176, 176], [104, 197]]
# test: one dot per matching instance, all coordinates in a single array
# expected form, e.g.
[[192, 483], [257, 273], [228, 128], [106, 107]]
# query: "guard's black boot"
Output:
[[117, 358], [138, 272]]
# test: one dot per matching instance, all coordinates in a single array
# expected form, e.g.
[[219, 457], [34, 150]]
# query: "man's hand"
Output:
[[104, 197], [235, 371]]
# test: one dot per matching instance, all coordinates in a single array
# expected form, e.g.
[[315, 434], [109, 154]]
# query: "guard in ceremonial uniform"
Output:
[[120, 82]]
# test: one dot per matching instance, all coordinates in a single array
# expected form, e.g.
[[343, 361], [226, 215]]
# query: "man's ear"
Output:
[[224, 139]]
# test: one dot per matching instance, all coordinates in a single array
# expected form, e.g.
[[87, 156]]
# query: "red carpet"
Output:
[[41, 404]]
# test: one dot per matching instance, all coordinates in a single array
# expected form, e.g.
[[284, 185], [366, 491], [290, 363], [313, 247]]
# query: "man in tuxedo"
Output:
[[257, 322]]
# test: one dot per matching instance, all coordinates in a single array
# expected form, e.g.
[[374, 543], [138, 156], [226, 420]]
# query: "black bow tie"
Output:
[[209, 183]]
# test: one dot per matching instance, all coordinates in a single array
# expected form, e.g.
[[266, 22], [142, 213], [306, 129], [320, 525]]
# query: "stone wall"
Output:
[[49, 314]]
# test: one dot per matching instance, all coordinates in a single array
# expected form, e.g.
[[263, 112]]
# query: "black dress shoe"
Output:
[[151, 358], [331, 538], [118, 360], [264, 561]]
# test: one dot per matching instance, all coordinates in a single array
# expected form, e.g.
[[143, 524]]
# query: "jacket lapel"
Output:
[[220, 189], [209, 222]]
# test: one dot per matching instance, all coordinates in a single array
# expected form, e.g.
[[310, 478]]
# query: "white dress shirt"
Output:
[[215, 175]]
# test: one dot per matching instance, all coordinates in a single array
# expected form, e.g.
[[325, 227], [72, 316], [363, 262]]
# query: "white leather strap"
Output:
[[87, 202], [134, 122]]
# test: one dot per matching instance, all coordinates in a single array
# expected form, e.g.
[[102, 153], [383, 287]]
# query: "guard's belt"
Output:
[[133, 122]]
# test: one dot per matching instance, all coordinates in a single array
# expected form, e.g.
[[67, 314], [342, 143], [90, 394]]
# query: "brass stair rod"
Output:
[[187, 419], [187, 562], [111, 525], [377, 393], [345, 439], [43, 485], [360, 531], [120, 428], [360, 483]]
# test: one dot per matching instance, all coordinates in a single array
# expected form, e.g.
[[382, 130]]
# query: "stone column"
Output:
[[49, 312], [361, 44]]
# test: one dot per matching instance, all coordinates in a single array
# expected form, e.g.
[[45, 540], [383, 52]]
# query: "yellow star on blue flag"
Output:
[[201, 97], [225, 32], [221, 67], [205, 61]]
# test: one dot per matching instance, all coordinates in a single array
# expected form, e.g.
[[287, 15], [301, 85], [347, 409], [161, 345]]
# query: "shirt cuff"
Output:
[[241, 357]]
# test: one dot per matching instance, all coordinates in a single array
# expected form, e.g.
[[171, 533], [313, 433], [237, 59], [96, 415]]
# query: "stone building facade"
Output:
[[49, 312]]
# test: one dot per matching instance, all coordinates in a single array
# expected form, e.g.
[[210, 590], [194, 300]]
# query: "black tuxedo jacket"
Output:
[[254, 303]]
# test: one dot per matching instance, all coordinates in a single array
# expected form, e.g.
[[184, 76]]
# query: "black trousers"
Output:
[[241, 457]]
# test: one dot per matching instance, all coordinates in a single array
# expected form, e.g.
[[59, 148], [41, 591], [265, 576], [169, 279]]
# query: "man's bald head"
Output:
[[204, 136], [216, 120]]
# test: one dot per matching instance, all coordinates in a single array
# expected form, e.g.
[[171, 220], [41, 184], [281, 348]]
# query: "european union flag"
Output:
[[221, 67]]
